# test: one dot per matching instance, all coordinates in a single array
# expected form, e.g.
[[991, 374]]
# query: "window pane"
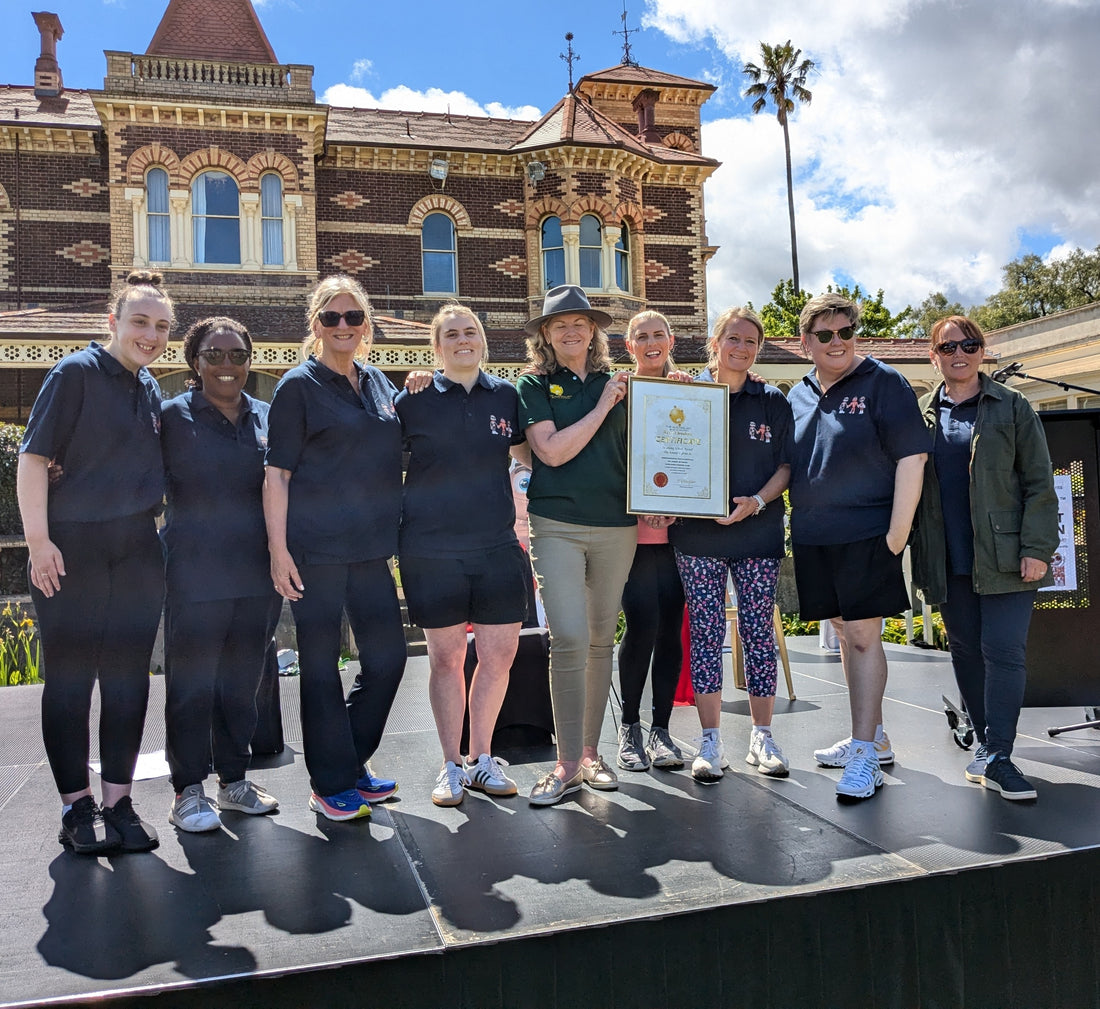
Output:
[[551, 233], [221, 194], [553, 267], [590, 268], [622, 271], [273, 242], [591, 230], [217, 240], [160, 242], [439, 271], [624, 240], [271, 196], [438, 233], [156, 185]]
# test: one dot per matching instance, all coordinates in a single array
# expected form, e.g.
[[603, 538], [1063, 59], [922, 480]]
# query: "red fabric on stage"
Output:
[[684, 692]]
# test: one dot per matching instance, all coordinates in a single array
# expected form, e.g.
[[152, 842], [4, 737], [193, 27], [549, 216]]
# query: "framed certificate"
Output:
[[677, 448]]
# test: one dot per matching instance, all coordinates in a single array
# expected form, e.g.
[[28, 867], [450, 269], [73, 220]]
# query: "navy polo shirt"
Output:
[[589, 489], [342, 445], [458, 497], [760, 441], [215, 540], [847, 442], [951, 457], [101, 424]]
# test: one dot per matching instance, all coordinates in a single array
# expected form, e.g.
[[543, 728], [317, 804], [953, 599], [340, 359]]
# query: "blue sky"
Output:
[[940, 144]]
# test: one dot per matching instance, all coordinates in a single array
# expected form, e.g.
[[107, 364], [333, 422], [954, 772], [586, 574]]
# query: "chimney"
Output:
[[645, 106], [47, 74]]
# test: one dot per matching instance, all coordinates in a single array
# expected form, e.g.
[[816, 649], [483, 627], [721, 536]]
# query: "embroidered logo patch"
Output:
[[760, 432], [556, 391], [853, 404], [500, 426]]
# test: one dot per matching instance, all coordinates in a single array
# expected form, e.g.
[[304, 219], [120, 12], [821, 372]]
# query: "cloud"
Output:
[[406, 99], [362, 69], [940, 133]]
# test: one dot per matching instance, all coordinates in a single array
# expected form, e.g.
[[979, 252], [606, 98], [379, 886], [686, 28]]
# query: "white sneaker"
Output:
[[450, 785], [838, 754], [193, 811], [765, 754], [862, 775], [487, 774], [708, 765]]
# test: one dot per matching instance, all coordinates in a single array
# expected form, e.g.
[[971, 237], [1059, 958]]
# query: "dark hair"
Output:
[[968, 327], [138, 284], [192, 342]]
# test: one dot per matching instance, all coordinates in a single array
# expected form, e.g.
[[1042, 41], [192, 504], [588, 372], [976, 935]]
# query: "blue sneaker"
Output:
[[373, 789], [347, 805]]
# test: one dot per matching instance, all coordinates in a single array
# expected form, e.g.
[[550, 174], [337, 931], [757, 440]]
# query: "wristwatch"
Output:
[[761, 504]]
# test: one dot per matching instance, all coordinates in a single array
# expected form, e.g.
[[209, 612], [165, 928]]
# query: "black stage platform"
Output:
[[754, 891]]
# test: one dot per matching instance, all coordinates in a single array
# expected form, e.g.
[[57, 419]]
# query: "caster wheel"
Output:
[[964, 737], [952, 719]]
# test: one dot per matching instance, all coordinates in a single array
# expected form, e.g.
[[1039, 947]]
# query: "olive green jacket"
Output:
[[1013, 507]]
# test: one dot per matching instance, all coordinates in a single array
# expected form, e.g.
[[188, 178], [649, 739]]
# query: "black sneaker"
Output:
[[136, 834], [1003, 776], [85, 831]]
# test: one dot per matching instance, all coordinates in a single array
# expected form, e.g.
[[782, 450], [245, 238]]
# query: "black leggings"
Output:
[[653, 604], [101, 625], [339, 735], [213, 663]]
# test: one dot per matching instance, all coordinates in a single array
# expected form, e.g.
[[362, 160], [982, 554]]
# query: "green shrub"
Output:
[[20, 649]]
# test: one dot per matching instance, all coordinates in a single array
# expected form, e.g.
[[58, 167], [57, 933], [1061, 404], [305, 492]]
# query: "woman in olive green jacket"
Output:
[[985, 531]]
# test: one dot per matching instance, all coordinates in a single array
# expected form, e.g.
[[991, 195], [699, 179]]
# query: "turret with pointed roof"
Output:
[[212, 29]]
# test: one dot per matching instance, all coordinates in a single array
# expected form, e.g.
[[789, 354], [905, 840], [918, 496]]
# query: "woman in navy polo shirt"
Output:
[[90, 480], [747, 544], [332, 501], [582, 540], [460, 560], [221, 609]]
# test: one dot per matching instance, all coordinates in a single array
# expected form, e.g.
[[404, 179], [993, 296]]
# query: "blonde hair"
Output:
[[321, 295], [720, 324], [453, 308], [639, 319], [541, 354]]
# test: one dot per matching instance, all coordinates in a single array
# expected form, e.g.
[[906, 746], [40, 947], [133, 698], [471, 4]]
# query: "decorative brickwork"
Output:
[[215, 157], [513, 208], [5, 203], [656, 271], [679, 141], [352, 261], [271, 161], [84, 187], [439, 202], [349, 200], [159, 155], [513, 266], [85, 253]]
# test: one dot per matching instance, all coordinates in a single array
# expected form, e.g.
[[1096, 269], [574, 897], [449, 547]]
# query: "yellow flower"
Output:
[[556, 390], [27, 624]]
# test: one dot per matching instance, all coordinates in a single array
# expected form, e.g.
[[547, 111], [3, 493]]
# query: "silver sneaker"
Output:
[[839, 753], [766, 756], [711, 760], [246, 797], [632, 755], [193, 811], [862, 776], [661, 750]]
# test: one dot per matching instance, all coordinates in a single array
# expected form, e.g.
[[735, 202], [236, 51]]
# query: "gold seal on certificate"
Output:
[[678, 462]]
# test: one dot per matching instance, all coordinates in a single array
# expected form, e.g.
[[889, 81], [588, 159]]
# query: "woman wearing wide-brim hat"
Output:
[[582, 540]]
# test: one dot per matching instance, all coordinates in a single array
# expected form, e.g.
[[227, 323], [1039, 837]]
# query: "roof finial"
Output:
[[626, 32], [570, 59]]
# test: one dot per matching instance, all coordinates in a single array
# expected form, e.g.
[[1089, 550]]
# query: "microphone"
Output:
[[1002, 375]]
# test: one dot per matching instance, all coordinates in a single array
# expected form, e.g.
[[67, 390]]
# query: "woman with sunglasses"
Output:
[[746, 545], [332, 500], [859, 450], [221, 609], [986, 529]]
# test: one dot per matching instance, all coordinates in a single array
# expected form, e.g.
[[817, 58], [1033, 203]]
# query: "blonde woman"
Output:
[[460, 560], [582, 540], [653, 598], [332, 503]]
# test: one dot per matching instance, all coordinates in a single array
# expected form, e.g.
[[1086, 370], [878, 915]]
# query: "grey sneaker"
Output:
[[839, 753], [766, 756], [661, 750], [246, 797], [975, 770], [193, 811], [711, 760], [632, 755]]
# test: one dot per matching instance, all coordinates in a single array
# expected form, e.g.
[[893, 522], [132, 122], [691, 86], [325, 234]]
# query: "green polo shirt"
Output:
[[590, 489]]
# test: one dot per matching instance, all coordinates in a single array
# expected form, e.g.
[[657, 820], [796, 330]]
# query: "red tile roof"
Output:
[[392, 128], [627, 73], [212, 29]]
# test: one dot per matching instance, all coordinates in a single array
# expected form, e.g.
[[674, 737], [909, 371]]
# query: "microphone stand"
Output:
[[1002, 375]]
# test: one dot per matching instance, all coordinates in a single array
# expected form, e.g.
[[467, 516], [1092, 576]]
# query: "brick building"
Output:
[[209, 159]]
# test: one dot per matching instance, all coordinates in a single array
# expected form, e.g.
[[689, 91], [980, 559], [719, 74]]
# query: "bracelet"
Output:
[[761, 503]]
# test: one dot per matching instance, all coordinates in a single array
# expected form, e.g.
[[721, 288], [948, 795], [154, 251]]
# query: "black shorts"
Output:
[[493, 587], [853, 581]]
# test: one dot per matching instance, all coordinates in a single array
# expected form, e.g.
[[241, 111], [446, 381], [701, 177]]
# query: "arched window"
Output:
[[156, 198], [591, 251], [622, 260], [553, 253], [271, 218], [215, 218], [437, 243]]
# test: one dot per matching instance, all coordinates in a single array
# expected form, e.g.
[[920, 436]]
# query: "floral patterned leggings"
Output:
[[754, 580]]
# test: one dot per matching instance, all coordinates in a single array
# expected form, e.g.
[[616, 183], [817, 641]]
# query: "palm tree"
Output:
[[782, 78]]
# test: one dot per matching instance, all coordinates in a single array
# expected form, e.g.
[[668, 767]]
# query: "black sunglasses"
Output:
[[215, 355], [948, 347], [353, 317], [826, 335]]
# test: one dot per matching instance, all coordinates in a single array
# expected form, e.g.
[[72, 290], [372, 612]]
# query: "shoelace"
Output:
[[861, 767], [239, 791], [769, 746], [456, 777], [707, 746], [489, 769], [194, 802]]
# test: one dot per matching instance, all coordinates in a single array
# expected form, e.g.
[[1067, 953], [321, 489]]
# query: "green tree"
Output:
[[781, 77], [930, 311], [1033, 289], [780, 315], [876, 322]]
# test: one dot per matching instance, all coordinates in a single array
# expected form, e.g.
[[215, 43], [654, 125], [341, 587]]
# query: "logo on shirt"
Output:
[[853, 404], [556, 391], [760, 432], [154, 416], [500, 426]]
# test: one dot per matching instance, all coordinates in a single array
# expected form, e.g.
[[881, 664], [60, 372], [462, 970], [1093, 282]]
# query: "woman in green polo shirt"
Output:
[[582, 540]]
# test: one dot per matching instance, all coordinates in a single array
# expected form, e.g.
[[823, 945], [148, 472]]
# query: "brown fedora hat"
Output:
[[567, 299]]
